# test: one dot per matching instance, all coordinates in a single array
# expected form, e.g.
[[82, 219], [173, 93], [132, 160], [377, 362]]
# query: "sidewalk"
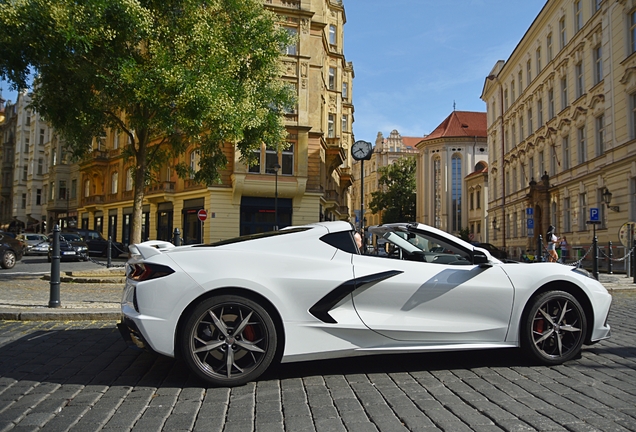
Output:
[[96, 295]]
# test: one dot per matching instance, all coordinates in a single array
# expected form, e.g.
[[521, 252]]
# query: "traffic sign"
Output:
[[594, 214], [202, 215], [530, 223], [529, 211]]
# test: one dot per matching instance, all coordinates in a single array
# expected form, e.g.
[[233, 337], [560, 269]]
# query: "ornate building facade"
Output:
[[455, 149], [308, 181], [562, 125]]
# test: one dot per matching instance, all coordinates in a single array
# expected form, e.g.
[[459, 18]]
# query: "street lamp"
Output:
[[607, 198], [276, 168]]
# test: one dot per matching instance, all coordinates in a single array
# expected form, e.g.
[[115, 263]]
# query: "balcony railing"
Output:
[[93, 199], [163, 187]]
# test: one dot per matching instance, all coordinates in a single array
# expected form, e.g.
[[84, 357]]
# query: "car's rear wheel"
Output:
[[228, 340], [555, 328], [8, 259]]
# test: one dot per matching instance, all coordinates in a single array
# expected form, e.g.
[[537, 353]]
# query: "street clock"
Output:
[[361, 150]]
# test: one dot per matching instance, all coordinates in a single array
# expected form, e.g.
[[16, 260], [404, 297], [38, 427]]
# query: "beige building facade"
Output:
[[313, 178], [562, 125]]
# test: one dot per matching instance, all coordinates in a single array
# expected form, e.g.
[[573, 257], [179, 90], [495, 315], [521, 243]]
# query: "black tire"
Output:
[[554, 328], [239, 331], [8, 259]]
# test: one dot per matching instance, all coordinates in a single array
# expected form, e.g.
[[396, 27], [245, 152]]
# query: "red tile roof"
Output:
[[461, 124]]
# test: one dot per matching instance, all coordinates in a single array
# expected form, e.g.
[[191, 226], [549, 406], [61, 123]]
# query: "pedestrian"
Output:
[[564, 248], [552, 240], [358, 239]]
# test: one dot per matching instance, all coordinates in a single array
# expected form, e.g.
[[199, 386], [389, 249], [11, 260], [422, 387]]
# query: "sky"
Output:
[[414, 60]]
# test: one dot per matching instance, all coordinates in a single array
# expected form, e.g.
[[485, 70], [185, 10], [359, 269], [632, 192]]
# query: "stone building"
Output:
[[562, 125], [455, 149], [311, 184]]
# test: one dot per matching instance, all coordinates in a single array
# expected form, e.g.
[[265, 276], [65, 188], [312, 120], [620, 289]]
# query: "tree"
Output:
[[396, 195], [170, 74]]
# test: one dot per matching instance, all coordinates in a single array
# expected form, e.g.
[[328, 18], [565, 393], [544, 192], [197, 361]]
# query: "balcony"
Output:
[[331, 199], [346, 179], [91, 202], [127, 195], [162, 187], [191, 184], [335, 154]]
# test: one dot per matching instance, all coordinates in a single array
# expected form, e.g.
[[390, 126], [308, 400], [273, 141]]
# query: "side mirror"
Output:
[[480, 258]]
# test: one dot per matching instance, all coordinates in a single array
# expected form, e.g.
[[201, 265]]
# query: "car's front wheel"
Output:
[[8, 259], [229, 340], [554, 328]]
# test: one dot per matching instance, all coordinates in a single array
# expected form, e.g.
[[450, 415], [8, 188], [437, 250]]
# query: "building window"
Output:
[[522, 134], [332, 34], [114, 182], [549, 46], [540, 113], [600, 135], [531, 167], [456, 191], [437, 191], [24, 201], [515, 226], [563, 39], [292, 47], [478, 199], [87, 188], [598, 65], [580, 80], [567, 220], [582, 146], [528, 71], [194, 163], [506, 98], [566, 153], [600, 205], [472, 200], [520, 76], [530, 122], [38, 197], [596, 5], [512, 91], [129, 179], [578, 16], [74, 189], [331, 131], [287, 159], [332, 78], [514, 134], [41, 136], [515, 180], [115, 140], [564, 93], [271, 159], [62, 190], [25, 172], [541, 163], [40, 166], [632, 30], [551, 104], [345, 123], [582, 211], [538, 60], [632, 99], [553, 161], [345, 90]]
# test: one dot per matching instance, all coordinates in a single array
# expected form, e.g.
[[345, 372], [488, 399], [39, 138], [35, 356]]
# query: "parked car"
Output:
[[8, 233], [97, 244], [232, 308], [493, 250], [34, 243], [72, 248], [10, 251]]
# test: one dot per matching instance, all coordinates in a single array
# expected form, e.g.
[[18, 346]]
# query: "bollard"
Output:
[[539, 255], [176, 237], [609, 259], [109, 252], [54, 294], [595, 255]]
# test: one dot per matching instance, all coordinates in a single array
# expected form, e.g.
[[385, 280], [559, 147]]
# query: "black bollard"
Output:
[[176, 237], [609, 259], [539, 254], [54, 294], [109, 253], [595, 255]]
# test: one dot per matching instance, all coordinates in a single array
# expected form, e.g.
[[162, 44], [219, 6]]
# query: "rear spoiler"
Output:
[[150, 248]]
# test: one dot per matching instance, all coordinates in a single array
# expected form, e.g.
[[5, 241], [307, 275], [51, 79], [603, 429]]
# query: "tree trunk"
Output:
[[140, 171]]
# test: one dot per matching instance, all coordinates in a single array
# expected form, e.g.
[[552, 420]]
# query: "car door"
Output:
[[433, 303]]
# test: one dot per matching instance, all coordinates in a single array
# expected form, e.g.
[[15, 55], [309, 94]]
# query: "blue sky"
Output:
[[414, 58]]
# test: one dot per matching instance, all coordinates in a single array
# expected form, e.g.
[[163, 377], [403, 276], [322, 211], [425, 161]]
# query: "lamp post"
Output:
[[607, 199], [276, 168]]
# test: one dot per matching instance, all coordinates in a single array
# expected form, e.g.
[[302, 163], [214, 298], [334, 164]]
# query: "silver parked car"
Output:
[[34, 243]]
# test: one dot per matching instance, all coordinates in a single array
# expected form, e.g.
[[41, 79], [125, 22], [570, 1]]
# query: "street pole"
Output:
[[364, 237], [276, 168], [595, 255]]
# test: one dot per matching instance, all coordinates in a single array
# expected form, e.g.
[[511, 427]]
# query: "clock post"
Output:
[[361, 151]]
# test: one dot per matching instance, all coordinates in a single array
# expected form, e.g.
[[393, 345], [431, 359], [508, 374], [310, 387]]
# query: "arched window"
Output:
[[129, 179], [114, 182], [456, 191], [87, 188]]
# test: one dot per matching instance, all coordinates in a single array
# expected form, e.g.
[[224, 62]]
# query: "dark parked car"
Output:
[[72, 247], [494, 250], [10, 251], [97, 244]]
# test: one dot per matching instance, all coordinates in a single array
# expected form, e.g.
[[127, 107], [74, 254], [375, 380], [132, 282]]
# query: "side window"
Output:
[[422, 247]]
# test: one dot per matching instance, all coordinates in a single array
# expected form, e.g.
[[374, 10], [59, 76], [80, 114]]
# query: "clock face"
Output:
[[361, 150]]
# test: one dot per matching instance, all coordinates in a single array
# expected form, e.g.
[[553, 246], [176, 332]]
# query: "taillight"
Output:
[[144, 271]]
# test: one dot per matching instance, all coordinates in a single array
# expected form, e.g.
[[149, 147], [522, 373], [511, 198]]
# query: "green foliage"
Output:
[[177, 73], [464, 234], [395, 197]]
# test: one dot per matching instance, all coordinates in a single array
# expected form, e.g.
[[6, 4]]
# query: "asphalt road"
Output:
[[80, 376]]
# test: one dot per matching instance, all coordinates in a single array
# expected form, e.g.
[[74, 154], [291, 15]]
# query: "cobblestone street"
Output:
[[80, 376]]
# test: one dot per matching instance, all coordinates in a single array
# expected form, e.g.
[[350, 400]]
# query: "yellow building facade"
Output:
[[313, 178], [562, 126]]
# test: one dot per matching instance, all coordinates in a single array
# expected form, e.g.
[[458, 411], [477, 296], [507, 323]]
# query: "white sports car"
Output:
[[232, 308]]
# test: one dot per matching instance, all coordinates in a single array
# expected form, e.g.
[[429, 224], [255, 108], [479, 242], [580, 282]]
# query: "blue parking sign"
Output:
[[530, 224], [594, 214], [529, 211]]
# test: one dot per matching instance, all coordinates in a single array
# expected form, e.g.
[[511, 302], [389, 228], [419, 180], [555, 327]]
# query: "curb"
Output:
[[61, 315]]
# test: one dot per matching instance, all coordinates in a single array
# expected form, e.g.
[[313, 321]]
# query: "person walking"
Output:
[[552, 240]]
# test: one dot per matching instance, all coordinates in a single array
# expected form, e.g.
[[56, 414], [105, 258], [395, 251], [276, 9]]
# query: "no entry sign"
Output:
[[202, 215]]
